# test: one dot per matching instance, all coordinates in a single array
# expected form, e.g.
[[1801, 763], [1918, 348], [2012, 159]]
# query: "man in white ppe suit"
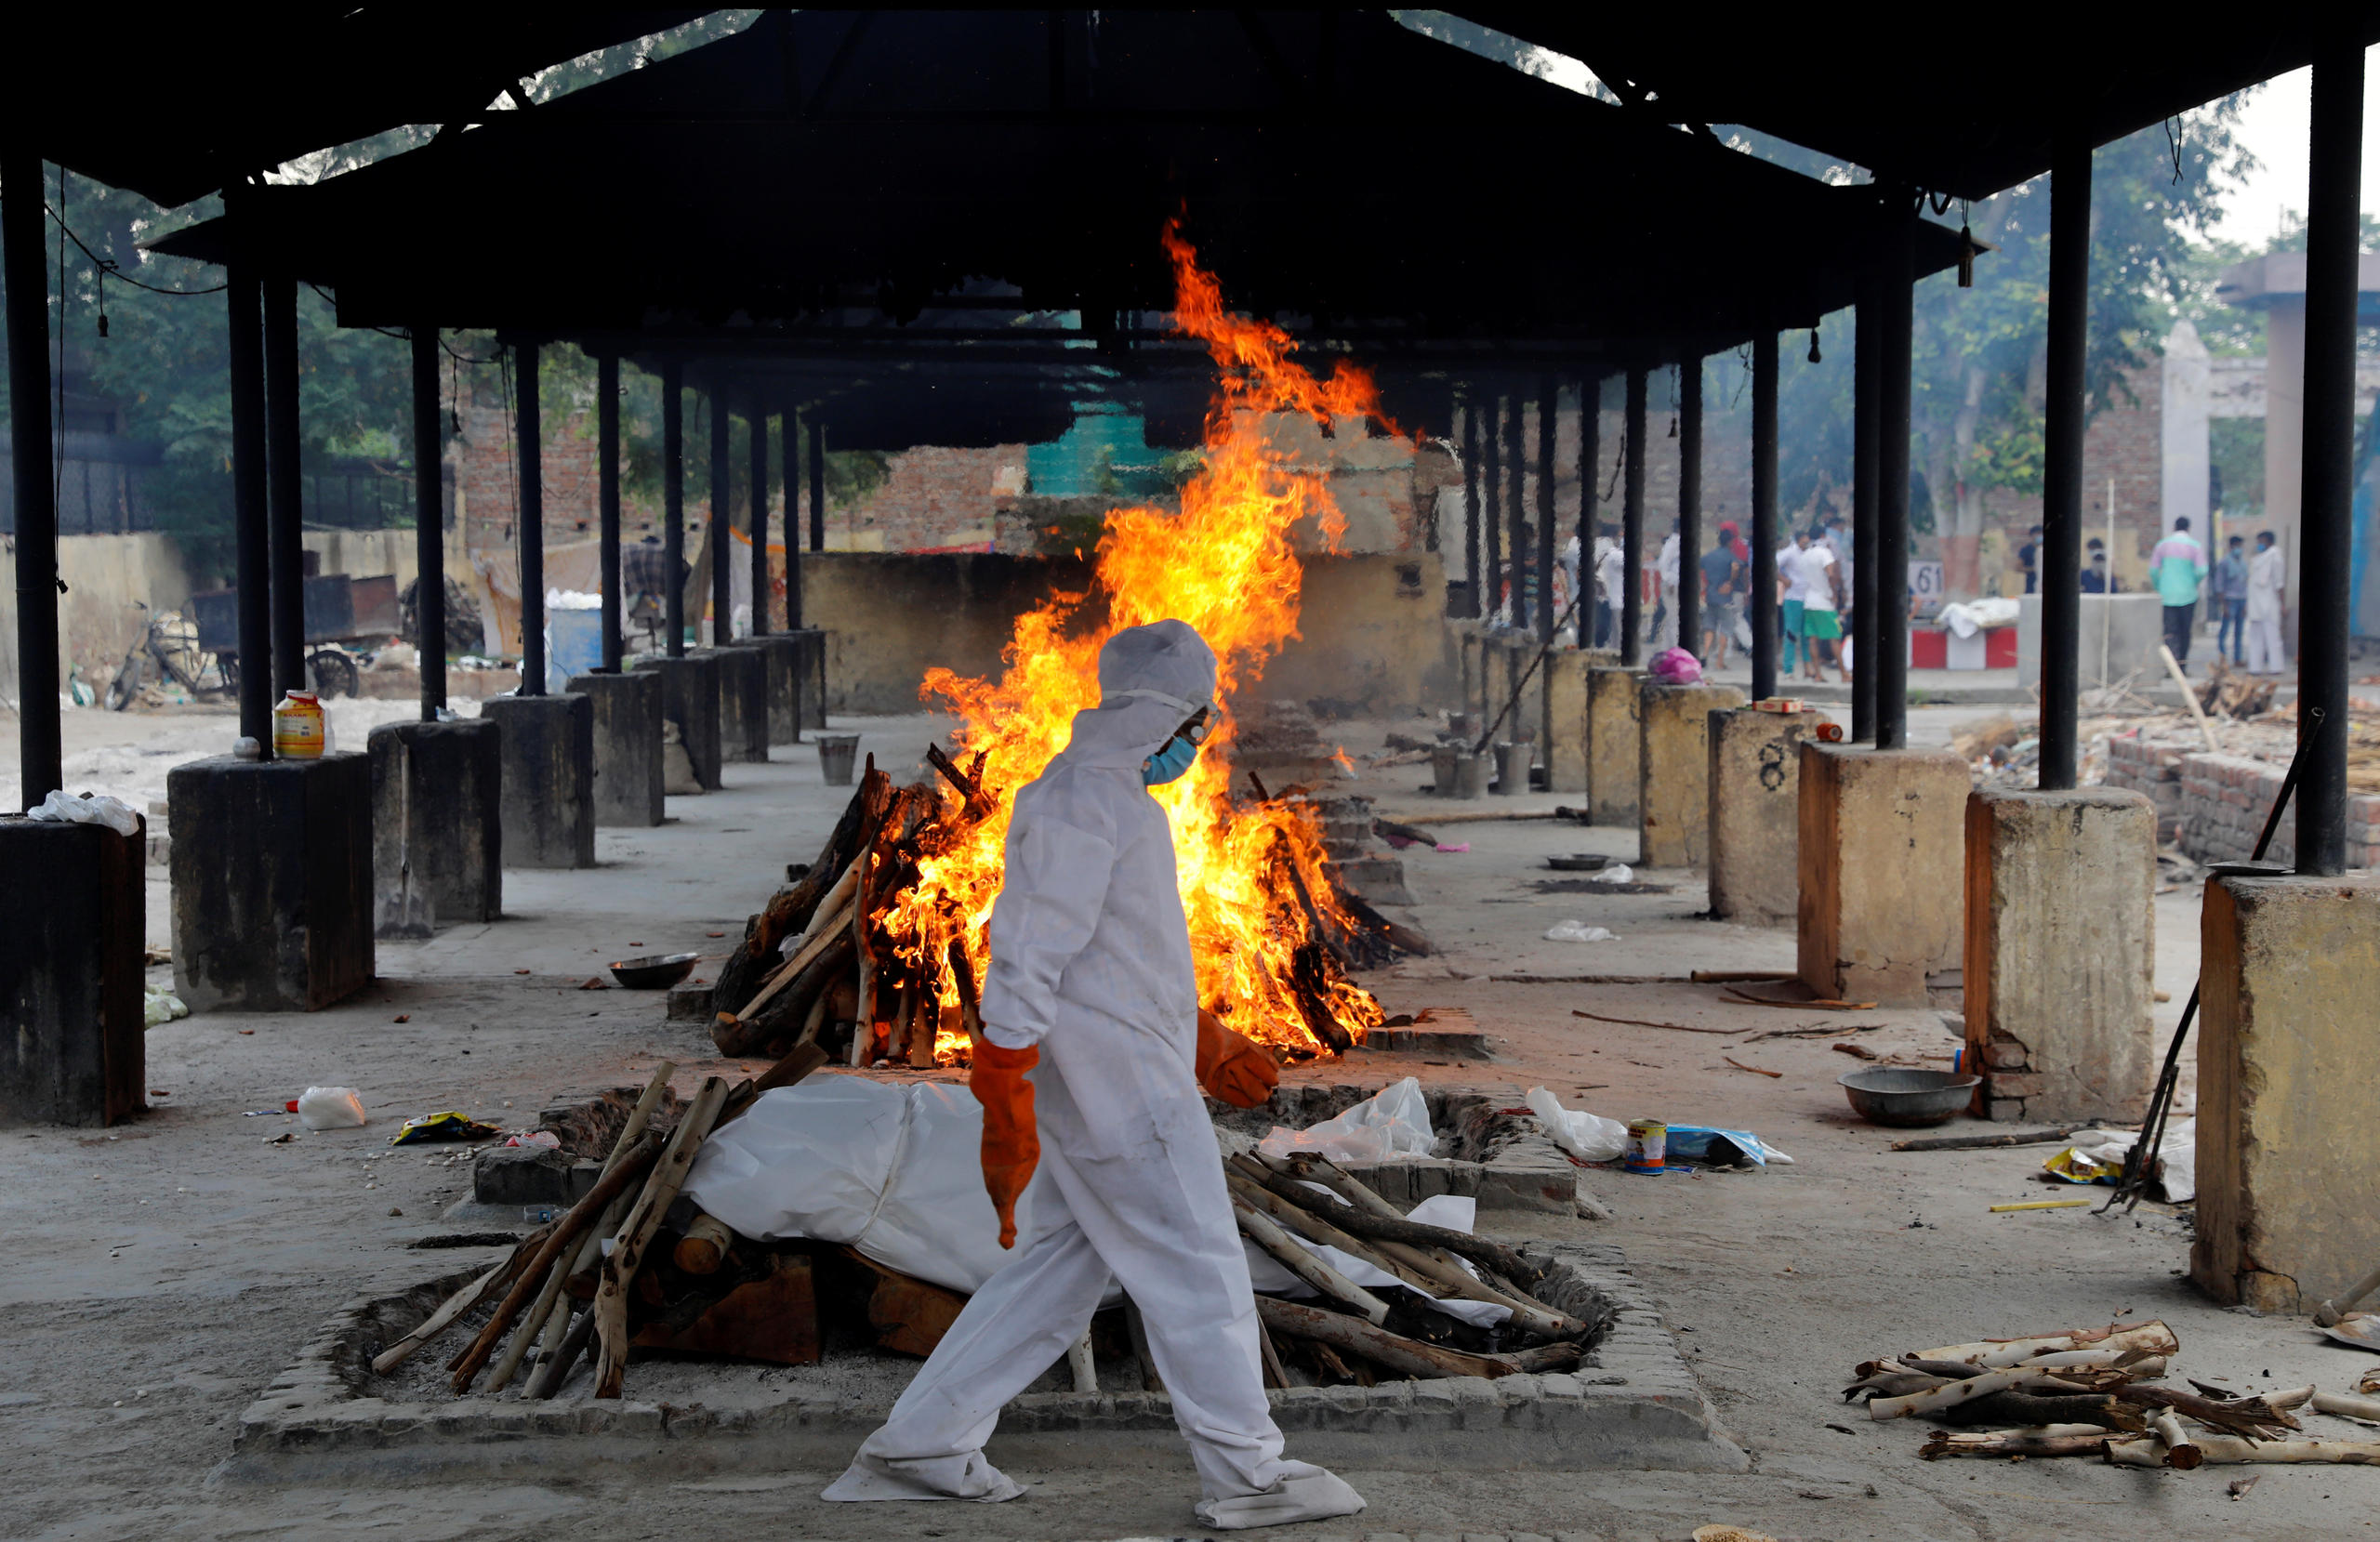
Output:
[[1091, 961]]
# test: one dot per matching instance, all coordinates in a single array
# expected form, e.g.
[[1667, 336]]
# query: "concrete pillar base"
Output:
[[784, 652], [271, 866], [1567, 739], [812, 674], [690, 701], [1881, 851], [69, 973], [1756, 782], [742, 703], [627, 736], [1615, 744], [2061, 944], [2287, 1145], [1673, 771], [548, 805], [437, 825]]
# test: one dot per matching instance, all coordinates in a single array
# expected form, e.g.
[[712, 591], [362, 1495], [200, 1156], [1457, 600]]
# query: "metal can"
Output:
[[1647, 1147]]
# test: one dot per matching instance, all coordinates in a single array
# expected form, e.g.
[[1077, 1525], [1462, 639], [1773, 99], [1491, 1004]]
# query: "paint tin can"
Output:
[[1647, 1147]]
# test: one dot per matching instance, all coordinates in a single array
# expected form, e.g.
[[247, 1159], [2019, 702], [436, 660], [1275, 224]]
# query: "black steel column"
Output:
[[250, 516], [1590, 487], [1632, 524], [673, 505], [429, 519], [1764, 516], [1865, 365], [1548, 402], [1890, 664], [758, 423], [817, 486], [39, 750], [607, 501], [1470, 452], [1491, 516], [1689, 504], [2325, 601], [722, 625], [284, 544], [2060, 555], [789, 426], [1516, 554], [529, 431]]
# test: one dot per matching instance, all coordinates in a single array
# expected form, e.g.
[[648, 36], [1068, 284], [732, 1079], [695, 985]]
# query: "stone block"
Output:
[[546, 805], [1882, 848], [742, 703], [72, 928], [2290, 967], [1674, 770], [520, 1174], [272, 893], [626, 738], [1566, 718], [785, 652], [1615, 744], [2061, 942], [437, 825], [690, 702], [1755, 780]]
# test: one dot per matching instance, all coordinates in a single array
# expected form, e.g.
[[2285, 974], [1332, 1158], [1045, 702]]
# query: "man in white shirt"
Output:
[[2267, 576], [1822, 601], [1665, 618], [1612, 577], [1792, 589]]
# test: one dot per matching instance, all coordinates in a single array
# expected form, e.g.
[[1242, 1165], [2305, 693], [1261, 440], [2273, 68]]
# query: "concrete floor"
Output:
[[132, 1341]]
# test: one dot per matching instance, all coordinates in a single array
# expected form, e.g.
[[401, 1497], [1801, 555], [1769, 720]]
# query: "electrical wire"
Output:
[[108, 264], [332, 300]]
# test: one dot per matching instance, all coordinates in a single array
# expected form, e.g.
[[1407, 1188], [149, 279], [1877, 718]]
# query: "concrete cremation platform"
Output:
[[1882, 848], [437, 825], [1673, 771], [2061, 942], [812, 669], [742, 703], [1615, 744], [2286, 1141], [690, 702], [70, 945], [785, 652], [548, 803], [626, 738], [272, 867], [1756, 782]]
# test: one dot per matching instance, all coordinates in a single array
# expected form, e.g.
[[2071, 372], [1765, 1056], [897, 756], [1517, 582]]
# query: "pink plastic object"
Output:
[[1677, 667]]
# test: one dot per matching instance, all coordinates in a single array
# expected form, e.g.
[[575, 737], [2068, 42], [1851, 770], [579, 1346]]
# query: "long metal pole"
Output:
[[1548, 402], [607, 501], [722, 623], [789, 426], [430, 521], [2063, 421], [1491, 518], [1590, 493], [2334, 174], [1632, 524], [817, 486], [673, 505], [250, 516], [1763, 516], [284, 545], [1470, 452], [1517, 508], [39, 749], [529, 431], [1689, 504], [756, 423], [1890, 664], [1866, 361]]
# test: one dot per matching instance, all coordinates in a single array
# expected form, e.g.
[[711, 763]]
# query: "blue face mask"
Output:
[[1169, 762]]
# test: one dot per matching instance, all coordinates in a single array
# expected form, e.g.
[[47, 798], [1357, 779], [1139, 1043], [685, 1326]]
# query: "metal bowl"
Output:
[[1895, 1095], [657, 972], [1580, 861]]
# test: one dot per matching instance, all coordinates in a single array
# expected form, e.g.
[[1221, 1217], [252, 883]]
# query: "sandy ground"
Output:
[[158, 1276]]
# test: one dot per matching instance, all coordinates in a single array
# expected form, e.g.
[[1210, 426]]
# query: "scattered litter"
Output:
[[544, 1138], [1753, 1069], [1711, 1147], [160, 1006], [2237, 1488], [1396, 1121], [447, 1124], [2097, 1156], [594, 982], [1586, 1137], [2040, 1205], [401, 1016], [1579, 931], [1677, 667], [284, 1138], [1454, 851], [1861, 1050], [329, 1108], [1618, 872], [89, 808]]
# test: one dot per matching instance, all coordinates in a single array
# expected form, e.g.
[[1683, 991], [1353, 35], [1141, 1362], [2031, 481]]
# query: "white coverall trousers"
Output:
[[1160, 1222], [2263, 646]]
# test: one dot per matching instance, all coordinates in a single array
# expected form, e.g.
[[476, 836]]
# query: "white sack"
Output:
[[114, 813], [1588, 1136], [1393, 1122]]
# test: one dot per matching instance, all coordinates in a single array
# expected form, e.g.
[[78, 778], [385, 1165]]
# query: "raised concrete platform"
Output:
[[1566, 713], [626, 737], [548, 805], [812, 671], [786, 653], [72, 931], [272, 867], [2287, 1144], [690, 701], [743, 703], [1882, 850], [1673, 771], [1756, 784], [2061, 944], [1615, 744], [437, 825]]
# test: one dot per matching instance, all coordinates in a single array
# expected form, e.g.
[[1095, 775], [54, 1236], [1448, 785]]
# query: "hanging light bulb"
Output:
[[1966, 257], [1814, 345]]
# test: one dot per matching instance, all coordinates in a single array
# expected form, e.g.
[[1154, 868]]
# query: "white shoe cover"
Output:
[[967, 1477], [1308, 1493]]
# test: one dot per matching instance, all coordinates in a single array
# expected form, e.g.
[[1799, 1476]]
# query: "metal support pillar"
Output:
[[1632, 524], [1516, 507], [789, 426], [1491, 516], [1470, 452], [251, 517], [1890, 663], [529, 431], [2325, 503], [284, 544], [722, 501], [429, 518], [673, 506], [39, 751], [607, 501], [1689, 504], [1764, 516], [1864, 368], [2063, 421], [757, 519], [817, 486], [1548, 402], [1590, 597]]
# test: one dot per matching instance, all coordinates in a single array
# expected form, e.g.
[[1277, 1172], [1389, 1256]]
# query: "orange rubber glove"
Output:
[[1232, 1066], [1012, 1141]]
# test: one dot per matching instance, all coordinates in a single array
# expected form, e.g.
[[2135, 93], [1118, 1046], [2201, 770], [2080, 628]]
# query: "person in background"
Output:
[[1822, 606], [2267, 578], [1611, 579], [1664, 630], [2177, 567], [2028, 558], [1792, 589], [2231, 599], [1563, 600], [2095, 568], [1723, 591]]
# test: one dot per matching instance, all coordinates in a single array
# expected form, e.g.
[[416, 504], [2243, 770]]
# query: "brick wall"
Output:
[[934, 498], [487, 475], [2217, 804]]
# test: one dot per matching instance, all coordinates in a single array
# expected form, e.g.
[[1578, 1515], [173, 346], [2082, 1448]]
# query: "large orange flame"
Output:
[[1252, 873]]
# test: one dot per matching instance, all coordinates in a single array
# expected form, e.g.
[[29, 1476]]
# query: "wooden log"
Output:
[[1138, 1331], [1439, 1263], [1560, 1355], [1950, 1394], [555, 1368], [1267, 1235], [1985, 1142], [2363, 1408], [1276, 1373], [2028, 1408], [830, 915], [436, 1323], [2251, 1417], [1479, 1250], [2179, 1452], [1406, 1356], [1943, 1444], [1314, 1228], [1081, 1366], [2224, 1450], [1999, 1353], [669, 1171], [704, 1246]]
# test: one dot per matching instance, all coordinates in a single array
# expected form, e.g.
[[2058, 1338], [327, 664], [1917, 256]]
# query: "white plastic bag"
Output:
[[160, 1006], [1393, 1122], [1588, 1136], [62, 808], [1579, 931], [330, 1108], [1619, 872], [2177, 1154]]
